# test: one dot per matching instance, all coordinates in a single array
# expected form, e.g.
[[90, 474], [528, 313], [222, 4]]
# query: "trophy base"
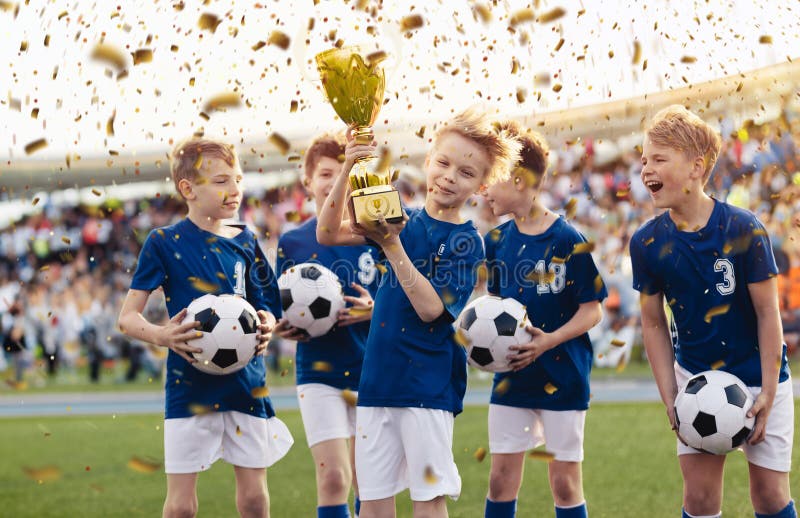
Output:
[[370, 203]]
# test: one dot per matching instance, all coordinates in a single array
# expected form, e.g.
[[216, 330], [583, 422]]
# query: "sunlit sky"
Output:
[[456, 58]]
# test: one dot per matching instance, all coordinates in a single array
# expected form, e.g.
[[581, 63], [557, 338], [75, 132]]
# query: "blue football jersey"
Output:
[[704, 276], [551, 278], [335, 358], [409, 362], [189, 262]]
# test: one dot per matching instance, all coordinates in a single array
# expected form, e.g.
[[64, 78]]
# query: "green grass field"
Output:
[[630, 469]]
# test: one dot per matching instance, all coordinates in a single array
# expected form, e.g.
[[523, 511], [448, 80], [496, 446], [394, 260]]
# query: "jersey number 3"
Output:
[[728, 284]]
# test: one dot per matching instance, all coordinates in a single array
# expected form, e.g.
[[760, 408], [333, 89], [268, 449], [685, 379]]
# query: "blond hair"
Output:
[[678, 128], [532, 164], [501, 149], [187, 157], [325, 145]]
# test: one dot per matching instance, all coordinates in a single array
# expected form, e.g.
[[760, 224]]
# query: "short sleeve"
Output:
[[150, 271], [643, 279], [760, 257], [455, 272], [583, 278]]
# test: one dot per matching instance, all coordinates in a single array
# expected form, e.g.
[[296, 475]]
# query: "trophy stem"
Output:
[[363, 135]]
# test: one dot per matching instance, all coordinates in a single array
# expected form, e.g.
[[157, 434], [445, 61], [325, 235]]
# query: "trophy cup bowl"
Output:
[[354, 83]]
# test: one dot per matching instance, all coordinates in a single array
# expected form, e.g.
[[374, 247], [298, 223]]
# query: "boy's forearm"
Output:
[[418, 289], [770, 346], [330, 217], [136, 326], [661, 358], [587, 316]]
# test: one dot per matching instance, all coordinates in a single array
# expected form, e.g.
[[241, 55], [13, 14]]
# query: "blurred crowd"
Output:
[[65, 270]]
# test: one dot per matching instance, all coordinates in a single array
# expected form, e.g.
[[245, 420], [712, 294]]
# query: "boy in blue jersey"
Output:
[[209, 417], [543, 262], [329, 366], [713, 264], [414, 375]]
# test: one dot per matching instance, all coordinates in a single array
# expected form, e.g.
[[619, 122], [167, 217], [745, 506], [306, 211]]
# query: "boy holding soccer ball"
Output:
[[414, 375], [539, 259], [209, 417], [713, 264], [329, 366]]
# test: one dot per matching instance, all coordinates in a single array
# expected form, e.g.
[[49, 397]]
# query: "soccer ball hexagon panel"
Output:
[[311, 297], [711, 409], [229, 327], [489, 325]]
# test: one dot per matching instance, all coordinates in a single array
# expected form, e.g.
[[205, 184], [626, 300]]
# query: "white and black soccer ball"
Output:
[[311, 297], [230, 332], [488, 326], [711, 410]]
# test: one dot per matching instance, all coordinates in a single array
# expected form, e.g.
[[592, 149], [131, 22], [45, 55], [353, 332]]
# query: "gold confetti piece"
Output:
[[480, 454], [223, 100], [208, 22], [544, 456], [521, 16], [280, 142], [35, 113], [521, 94], [716, 311], [359, 311], [62, 14], [321, 366], [292, 216], [717, 365], [552, 15], [637, 52], [502, 387], [203, 286], [617, 343], [381, 268], [46, 40], [376, 57], [143, 465], [557, 87], [765, 39], [598, 283], [238, 430], [350, 397], [110, 55], [293, 107], [36, 145], [279, 39], [259, 392], [430, 476], [571, 208], [43, 474], [621, 364], [559, 45], [739, 87], [198, 163], [649, 241], [8, 6], [482, 12], [259, 45], [23, 46], [541, 277], [688, 59], [550, 388], [35, 201], [198, 409], [110, 124], [583, 248], [66, 240], [557, 260], [411, 22], [461, 338], [142, 56]]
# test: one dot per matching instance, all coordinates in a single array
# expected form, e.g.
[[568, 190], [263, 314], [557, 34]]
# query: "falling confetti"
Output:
[[765, 39], [43, 474], [142, 56], [350, 397], [321, 366], [717, 365], [583, 248], [204, 286], [208, 22], [480, 454], [110, 124], [544, 456], [521, 16], [280, 142], [716, 311], [36, 145], [279, 39], [552, 15], [109, 55], [223, 100], [617, 343], [502, 387], [411, 22], [461, 338], [143, 465], [259, 392], [550, 388], [430, 476]]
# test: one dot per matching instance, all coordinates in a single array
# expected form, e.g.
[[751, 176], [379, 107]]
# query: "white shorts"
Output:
[[775, 451], [399, 448], [515, 430], [193, 444], [326, 414]]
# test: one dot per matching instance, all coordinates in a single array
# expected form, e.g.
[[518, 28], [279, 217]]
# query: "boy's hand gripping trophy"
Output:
[[354, 84]]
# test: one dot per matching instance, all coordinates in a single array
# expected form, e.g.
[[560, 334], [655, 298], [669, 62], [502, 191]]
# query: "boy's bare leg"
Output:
[[505, 476], [566, 483], [252, 499], [181, 501], [383, 508], [769, 489], [436, 508], [702, 483], [334, 472]]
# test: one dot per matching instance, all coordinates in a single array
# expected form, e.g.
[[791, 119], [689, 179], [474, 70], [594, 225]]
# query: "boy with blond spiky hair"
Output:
[[701, 255], [414, 375], [542, 261]]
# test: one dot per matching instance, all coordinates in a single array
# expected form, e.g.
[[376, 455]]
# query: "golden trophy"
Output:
[[354, 83]]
